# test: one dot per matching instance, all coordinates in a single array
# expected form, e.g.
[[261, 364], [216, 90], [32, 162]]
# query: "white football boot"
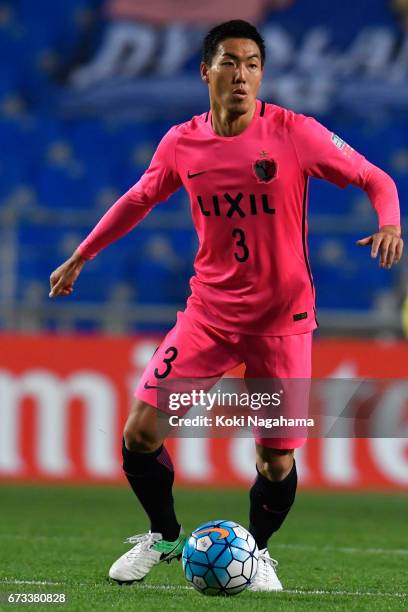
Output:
[[266, 578], [149, 550]]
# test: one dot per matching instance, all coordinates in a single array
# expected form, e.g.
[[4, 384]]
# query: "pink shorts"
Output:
[[193, 349]]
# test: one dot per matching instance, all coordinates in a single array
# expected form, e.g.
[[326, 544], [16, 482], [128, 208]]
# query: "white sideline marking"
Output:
[[291, 591], [354, 593], [345, 549], [46, 582], [179, 587]]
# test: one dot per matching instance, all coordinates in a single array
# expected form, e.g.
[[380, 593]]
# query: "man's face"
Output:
[[235, 75]]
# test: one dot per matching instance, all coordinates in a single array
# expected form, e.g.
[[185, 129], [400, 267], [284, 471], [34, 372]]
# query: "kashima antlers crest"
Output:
[[265, 169]]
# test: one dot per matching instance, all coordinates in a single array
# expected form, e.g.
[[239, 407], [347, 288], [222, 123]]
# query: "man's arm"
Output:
[[324, 155], [159, 181], [383, 196]]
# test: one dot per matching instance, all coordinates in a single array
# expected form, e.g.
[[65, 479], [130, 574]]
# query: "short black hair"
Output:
[[237, 28]]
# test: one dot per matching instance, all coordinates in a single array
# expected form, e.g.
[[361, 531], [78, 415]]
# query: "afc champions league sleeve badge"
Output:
[[265, 170]]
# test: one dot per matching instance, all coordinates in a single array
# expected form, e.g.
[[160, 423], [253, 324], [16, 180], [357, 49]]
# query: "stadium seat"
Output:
[[61, 173]]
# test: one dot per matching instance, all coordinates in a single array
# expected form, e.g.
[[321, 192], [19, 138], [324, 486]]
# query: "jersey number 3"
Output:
[[168, 361], [243, 254]]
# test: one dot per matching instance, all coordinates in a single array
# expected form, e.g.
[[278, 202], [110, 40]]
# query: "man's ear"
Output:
[[204, 72]]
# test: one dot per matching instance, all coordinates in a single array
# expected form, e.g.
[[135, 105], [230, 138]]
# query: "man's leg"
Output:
[[271, 498], [190, 350], [149, 469], [273, 492], [286, 359]]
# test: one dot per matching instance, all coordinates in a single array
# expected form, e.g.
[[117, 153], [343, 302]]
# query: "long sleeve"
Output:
[[325, 155], [159, 181], [381, 191], [322, 153]]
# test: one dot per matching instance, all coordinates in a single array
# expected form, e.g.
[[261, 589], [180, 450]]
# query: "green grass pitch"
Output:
[[336, 551]]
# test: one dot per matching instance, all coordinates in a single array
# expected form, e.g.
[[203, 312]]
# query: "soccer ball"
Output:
[[220, 558]]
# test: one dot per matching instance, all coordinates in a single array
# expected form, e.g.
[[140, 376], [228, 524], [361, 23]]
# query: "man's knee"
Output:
[[274, 463], [142, 431]]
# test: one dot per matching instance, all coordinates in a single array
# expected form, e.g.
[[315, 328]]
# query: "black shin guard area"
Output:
[[151, 477], [270, 502]]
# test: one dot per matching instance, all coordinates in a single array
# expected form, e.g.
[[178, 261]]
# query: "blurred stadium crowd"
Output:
[[87, 89]]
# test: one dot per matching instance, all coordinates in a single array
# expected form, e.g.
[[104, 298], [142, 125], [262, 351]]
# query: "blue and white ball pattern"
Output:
[[220, 558]]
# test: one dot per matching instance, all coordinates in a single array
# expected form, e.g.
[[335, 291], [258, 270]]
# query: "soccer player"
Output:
[[246, 166]]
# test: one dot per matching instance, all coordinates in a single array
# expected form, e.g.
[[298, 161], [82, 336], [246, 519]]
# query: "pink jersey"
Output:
[[248, 196]]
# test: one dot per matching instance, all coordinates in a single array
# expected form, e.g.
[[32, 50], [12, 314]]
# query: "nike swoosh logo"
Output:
[[190, 176], [175, 547], [147, 386], [224, 533]]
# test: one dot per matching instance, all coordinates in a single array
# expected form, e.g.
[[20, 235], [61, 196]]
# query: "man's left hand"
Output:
[[388, 242]]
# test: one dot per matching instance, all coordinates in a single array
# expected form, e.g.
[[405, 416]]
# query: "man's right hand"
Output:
[[63, 278]]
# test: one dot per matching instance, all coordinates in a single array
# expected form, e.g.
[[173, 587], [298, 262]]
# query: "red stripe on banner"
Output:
[[65, 400]]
